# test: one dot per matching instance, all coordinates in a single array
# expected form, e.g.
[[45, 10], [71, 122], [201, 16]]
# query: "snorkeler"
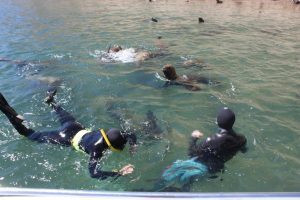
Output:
[[210, 155], [190, 82], [220, 147], [72, 133]]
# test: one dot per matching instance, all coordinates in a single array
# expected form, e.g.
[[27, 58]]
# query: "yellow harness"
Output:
[[77, 138]]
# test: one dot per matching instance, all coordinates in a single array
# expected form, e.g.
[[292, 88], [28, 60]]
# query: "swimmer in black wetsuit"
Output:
[[72, 133], [217, 149], [206, 158]]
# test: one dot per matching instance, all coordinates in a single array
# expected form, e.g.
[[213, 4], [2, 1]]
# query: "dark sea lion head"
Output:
[[115, 49], [169, 72]]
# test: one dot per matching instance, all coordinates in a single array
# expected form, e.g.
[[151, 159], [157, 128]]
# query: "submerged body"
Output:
[[148, 127]]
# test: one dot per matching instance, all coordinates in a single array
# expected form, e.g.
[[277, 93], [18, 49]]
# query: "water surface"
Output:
[[251, 47]]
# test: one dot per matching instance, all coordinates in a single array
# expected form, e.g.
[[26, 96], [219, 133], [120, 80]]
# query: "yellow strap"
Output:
[[77, 138], [107, 141]]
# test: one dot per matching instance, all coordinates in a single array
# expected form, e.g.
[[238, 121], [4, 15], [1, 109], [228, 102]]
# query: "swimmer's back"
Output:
[[219, 148]]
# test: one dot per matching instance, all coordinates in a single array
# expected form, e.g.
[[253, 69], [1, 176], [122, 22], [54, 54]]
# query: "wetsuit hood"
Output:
[[116, 138], [226, 118]]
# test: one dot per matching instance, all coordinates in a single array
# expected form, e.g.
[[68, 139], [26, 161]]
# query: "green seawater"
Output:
[[250, 47]]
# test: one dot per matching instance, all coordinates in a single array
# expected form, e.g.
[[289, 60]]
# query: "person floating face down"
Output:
[[72, 133], [190, 82], [207, 156]]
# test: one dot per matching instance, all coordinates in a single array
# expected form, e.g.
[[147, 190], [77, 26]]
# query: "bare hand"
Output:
[[197, 134], [127, 169]]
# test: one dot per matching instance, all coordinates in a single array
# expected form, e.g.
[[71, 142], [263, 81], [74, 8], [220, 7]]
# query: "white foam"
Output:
[[124, 56], [60, 56]]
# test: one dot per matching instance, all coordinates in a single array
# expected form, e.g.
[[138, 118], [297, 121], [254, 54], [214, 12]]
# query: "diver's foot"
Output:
[[50, 98]]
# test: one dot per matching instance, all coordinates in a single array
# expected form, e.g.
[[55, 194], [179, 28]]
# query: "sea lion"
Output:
[[190, 82]]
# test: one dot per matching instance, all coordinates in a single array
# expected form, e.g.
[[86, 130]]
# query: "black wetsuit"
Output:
[[215, 150], [92, 142]]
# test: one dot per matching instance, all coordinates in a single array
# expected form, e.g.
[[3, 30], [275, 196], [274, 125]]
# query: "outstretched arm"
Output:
[[96, 173], [193, 147]]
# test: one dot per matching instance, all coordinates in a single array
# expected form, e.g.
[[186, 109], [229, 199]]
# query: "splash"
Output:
[[60, 56], [124, 56], [160, 77]]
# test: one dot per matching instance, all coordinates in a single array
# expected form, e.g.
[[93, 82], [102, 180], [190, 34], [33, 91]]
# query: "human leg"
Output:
[[69, 125], [63, 115], [14, 118], [62, 136]]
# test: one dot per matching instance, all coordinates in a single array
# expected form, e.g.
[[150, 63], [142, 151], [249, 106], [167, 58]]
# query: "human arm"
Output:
[[237, 142], [243, 142], [193, 146], [97, 173]]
